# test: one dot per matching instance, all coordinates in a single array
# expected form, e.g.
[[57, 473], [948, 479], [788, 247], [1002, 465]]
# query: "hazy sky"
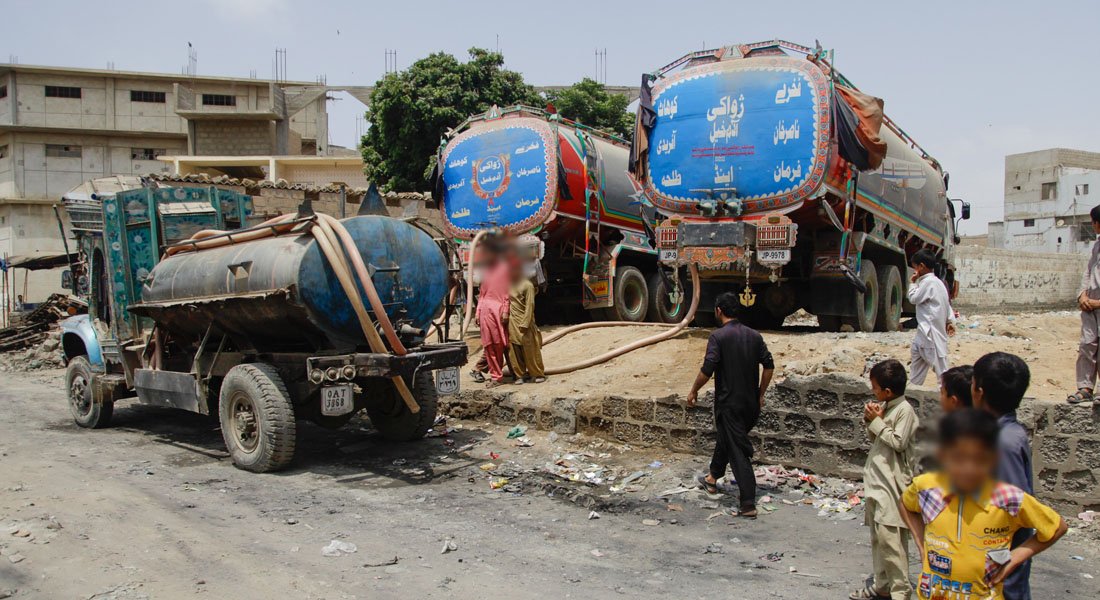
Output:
[[970, 80]]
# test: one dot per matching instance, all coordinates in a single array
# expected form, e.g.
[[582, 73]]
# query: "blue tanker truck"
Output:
[[194, 307]]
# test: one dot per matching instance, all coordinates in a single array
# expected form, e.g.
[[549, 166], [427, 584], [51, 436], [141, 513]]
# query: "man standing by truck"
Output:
[[735, 354], [935, 319]]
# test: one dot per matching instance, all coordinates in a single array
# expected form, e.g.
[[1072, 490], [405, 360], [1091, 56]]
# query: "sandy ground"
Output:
[[152, 508], [1047, 341]]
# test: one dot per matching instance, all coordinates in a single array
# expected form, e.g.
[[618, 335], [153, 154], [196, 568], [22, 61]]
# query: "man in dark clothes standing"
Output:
[[735, 354]]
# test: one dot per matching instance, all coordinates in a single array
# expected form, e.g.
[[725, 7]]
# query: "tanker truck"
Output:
[[562, 189], [760, 162], [193, 306]]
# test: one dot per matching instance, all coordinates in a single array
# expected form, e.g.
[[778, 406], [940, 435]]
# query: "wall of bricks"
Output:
[[813, 423], [234, 138], [995, 277]]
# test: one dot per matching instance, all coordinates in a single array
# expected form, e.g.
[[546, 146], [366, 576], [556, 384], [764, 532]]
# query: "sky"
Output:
[[970, 80]]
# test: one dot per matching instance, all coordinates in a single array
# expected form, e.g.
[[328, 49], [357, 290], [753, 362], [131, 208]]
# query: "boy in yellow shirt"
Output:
[[963, 520]]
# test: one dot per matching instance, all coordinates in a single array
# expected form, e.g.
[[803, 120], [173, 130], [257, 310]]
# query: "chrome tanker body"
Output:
[[563, 189], [738, 151], [255, 324]]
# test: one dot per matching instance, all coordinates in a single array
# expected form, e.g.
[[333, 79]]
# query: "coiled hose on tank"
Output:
[[328, 232]]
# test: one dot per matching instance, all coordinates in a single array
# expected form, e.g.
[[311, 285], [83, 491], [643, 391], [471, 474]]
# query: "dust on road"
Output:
[[152, 508]]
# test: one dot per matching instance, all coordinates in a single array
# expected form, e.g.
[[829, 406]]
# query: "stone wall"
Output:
[[813, 423], [998, 278]]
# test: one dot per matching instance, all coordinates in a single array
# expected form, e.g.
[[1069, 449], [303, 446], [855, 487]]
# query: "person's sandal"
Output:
[[493, 384], [708, 487], [867, 593], [1081, 396], [540, 379], [477, 376], [749, 513]]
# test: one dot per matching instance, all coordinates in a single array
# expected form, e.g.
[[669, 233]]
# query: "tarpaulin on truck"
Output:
[[858, 118]]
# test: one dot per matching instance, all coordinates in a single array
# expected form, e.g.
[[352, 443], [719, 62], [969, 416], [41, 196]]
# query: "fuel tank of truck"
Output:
[[519, 169], [282, 292]]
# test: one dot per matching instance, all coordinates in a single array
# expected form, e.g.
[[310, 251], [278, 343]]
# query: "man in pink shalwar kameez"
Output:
[[492, 316]]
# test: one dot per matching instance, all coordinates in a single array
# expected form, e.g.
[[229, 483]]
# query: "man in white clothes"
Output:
[[935, 318]]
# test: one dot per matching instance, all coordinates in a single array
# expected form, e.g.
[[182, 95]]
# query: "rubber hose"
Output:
[[648, 341], [352, 251], [470, 285], [199, 237], [557, 335], [327, 245]]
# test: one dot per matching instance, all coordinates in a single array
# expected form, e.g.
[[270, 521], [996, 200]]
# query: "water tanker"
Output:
[[774, 175], [564, 188], [301, 317]]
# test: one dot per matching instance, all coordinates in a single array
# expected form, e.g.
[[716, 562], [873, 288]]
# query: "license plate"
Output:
[[337, 400], [774, 256], [669, 255], [446, 381]]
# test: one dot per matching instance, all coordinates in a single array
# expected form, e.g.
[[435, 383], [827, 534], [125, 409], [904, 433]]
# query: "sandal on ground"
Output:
[[748, 513], [519, 381], [707, 486], [477, 376], [1080, 396], [540, 379], [867, 593], [493, 384]]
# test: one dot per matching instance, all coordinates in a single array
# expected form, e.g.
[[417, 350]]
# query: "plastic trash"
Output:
[[517, 432], [448, 546], [338, 548], [593, 515]]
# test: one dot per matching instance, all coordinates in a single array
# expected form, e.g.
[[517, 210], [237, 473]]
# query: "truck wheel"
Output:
[[867, 303], [394, 421], [631, 295], [890, 291], [257, 418], [78, 384], [661, 310]]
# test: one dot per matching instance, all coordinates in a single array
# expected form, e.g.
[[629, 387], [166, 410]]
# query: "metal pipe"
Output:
[[468, 318]]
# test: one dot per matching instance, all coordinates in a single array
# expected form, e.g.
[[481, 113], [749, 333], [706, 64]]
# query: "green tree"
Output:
[[589, 103], [410, 110]]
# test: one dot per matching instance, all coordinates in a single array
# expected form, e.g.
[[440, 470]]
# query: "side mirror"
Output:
[[67, 280], [965, 210]]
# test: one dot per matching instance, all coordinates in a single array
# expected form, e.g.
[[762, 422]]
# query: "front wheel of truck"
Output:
[[78, 383], [393, 420], [257, 418]]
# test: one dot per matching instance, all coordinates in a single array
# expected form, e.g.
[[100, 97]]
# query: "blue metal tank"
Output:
[[281, 292]]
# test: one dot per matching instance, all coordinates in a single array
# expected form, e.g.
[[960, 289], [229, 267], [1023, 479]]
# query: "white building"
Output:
[[1048, 196]]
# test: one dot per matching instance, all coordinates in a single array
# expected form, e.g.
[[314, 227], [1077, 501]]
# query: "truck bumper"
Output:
[[345, 367]]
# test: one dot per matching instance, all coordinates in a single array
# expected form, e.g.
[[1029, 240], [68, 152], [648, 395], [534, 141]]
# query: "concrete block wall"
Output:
[[998, 278], [234, 138], [814, 423]]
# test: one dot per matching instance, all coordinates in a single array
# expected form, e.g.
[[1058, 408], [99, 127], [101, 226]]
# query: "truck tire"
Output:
[[660, 309], [631, 296], [892, 294], [78, 385], [393, 420], [866, 305], [257, 418]]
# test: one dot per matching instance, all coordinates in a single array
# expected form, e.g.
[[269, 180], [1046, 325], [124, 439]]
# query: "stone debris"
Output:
[[45, 354]]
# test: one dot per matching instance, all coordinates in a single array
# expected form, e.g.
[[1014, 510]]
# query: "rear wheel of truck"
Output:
[[890, 292], [631, 296], [257, 418], [661, 309], [78, 382], [393, 420], [866, 304]]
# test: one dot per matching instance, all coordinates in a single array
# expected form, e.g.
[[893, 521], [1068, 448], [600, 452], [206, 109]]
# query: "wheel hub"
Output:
[[78, 395], [245, 425]]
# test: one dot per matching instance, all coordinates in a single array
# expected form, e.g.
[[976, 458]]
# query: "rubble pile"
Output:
[[45, 354], [33, 328]]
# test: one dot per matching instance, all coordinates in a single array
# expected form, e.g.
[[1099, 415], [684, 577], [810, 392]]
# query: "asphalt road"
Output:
[[153, 508]]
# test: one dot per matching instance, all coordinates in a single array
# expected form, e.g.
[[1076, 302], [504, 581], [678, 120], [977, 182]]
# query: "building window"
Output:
[[1082, 189], [62, 151], [142, 96], [4, 151], [146, 153], [1049, 191], [218, 100], [3, 91], [60, 91], [1029, 222]]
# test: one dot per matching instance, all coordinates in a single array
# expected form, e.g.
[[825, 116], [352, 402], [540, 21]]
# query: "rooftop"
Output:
[[48, 70]]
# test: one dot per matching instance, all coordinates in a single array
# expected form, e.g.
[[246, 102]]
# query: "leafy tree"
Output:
[[410, 110], [589, 103]]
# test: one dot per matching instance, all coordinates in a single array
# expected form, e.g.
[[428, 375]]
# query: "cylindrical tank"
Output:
[[505, 171], [757, 128], [281, 292]]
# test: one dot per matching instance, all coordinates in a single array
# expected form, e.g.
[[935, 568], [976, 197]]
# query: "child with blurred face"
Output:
[[955, 388], [949, 510]]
